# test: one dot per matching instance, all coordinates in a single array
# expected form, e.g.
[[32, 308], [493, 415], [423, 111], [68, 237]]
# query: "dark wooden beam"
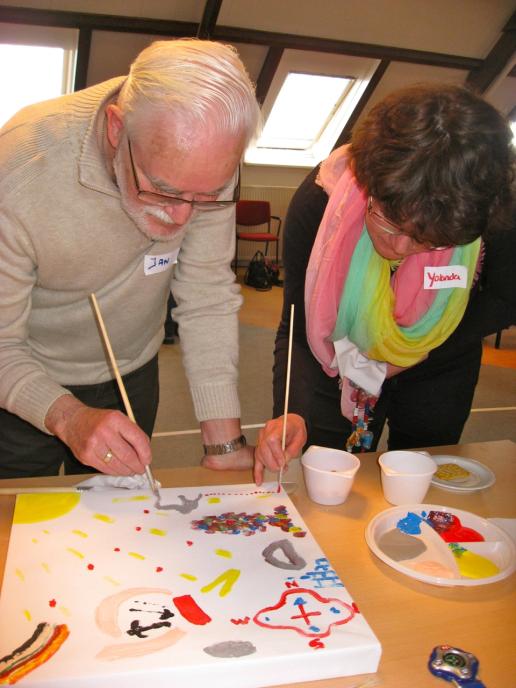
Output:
[[269, 67], [480, 78], [326, 45], [209, 18], [83, 59], [96, 22], [345, 135], [163, 27]]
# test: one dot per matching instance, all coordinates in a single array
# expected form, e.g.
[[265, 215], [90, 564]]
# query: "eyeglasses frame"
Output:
[[164, 199], [399, 234]]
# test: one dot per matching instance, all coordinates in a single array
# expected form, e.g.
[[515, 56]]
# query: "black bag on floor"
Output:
[[258, 274]]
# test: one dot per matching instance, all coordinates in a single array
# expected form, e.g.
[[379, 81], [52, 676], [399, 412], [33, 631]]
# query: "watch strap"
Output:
[[225, 447]]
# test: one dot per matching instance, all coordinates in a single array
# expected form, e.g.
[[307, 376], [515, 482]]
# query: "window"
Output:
[[309, 102], [36, 63]]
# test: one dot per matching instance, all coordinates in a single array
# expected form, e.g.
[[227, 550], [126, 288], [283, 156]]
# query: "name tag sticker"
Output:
[[446, 276], [159, 263]]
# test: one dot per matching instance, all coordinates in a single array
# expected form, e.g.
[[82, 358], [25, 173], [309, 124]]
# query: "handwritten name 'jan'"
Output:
[[446, 277]]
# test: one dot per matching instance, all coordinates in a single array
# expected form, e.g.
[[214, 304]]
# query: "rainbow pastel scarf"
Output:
[[350, 292]]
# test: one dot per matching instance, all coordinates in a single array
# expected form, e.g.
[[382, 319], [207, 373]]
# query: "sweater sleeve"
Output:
[[492, 305], [301, 224], [208, 300]]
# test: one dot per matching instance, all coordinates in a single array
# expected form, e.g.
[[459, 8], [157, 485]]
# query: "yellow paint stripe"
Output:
[[213, 500], [27, 615], [45, 566], [137, 498], [157, 531], [20, 574], [136, 555], [104, 517], [228, 579], [223, 553], [35, 541], [65, 611], [80, 533], [76, 552], [188, 576], [111, 580]]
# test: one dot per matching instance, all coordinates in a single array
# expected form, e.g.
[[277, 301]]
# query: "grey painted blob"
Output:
[[400, 546], [230, 648]]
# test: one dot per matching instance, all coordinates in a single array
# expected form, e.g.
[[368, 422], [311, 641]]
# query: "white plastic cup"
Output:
[[329, 474], [406, 476]]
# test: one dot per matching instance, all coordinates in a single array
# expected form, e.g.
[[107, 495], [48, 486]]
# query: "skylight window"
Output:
[[29, 74], [36, 63], [310, 99], [302, 109]]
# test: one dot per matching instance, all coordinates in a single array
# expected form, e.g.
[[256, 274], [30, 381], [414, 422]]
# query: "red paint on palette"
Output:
[[138, 528], [159, 569], [146, 511], [189, 543], [52, 603], [90, 567], [117, 549]]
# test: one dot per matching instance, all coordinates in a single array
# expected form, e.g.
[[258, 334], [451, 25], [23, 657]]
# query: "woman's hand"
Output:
[[268, 452]]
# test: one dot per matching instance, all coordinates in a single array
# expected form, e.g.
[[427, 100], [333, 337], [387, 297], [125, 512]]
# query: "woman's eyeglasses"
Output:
[[164, 200], [388, 227]]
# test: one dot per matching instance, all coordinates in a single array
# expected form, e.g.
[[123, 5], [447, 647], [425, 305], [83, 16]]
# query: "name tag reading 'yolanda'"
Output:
[[445, 277], [159, 263]]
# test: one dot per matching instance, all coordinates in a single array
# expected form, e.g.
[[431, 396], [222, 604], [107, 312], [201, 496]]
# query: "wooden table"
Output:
[[409, 617]]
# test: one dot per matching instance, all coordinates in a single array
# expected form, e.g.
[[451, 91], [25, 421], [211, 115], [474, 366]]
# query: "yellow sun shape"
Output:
[[32, 508]]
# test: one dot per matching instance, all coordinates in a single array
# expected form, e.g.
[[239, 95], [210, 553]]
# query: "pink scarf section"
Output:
[[338, 234]]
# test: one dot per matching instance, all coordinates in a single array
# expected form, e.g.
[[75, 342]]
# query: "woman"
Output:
[[399, 257]]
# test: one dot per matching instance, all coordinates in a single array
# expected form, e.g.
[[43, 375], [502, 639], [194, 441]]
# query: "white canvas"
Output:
[[225, 588]]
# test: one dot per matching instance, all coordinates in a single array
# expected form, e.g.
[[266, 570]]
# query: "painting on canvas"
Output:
[[216, 586]]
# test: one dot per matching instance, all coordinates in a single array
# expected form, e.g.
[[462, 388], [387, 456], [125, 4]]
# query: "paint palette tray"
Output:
[[214, 586], [441, 545]]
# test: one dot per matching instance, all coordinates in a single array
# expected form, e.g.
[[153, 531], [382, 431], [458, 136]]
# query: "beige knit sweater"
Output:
[[64, 235]]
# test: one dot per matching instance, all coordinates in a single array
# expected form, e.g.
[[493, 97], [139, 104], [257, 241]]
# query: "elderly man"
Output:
[[102, 191]]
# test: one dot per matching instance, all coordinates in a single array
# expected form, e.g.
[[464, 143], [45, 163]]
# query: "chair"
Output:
[[254, 214]]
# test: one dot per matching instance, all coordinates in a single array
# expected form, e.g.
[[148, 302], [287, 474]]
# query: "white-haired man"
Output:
[[102, 191]]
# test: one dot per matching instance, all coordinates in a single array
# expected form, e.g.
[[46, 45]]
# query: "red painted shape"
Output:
[[117, 549], [189, 543], [316, 643], [52, 603], [190, 610], [90, 567], [355, 608], [146, 511], [138, 528], [292, 584], [159, 569], [240, 622]]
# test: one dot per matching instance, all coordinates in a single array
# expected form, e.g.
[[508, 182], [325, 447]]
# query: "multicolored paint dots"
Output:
[[231, 523]]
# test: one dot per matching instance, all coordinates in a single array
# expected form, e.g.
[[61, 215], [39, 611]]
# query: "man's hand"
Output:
[[269, 454], [91, 433]]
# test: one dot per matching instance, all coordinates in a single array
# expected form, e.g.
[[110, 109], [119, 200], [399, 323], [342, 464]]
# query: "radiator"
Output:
[[279, 198]]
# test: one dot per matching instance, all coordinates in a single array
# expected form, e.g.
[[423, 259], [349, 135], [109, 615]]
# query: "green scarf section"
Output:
[[366, 310]]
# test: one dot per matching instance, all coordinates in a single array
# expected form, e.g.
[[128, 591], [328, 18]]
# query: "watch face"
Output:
[[449, 661]]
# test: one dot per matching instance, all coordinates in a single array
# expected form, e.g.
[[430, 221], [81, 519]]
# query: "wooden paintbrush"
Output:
[[287, 390], [121, 387]]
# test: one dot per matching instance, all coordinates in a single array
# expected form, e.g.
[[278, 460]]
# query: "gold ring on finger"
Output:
[[109, 455]]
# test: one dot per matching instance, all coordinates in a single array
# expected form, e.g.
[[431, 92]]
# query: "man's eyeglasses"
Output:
[[163, 199], [388, 227]]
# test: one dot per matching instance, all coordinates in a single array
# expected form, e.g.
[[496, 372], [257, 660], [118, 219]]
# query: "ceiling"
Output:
[[465, 41]]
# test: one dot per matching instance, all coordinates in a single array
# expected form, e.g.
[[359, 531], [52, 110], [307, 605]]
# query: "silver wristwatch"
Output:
[[225, 447]]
